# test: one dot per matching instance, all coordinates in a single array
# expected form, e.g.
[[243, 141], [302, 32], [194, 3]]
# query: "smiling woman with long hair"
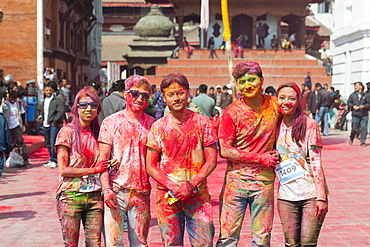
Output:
[[79, 191], [302, 193]]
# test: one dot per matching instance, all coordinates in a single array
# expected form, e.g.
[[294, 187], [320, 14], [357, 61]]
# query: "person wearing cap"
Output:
[[31, 89], [98, 90], [247, 137]]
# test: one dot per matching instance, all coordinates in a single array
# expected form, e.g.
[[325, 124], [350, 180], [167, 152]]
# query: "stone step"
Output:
[[223, 62], [249, 53], [220, 71], [270, 80]]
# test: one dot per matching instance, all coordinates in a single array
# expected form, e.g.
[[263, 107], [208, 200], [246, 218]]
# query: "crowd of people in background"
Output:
[[110, 143]]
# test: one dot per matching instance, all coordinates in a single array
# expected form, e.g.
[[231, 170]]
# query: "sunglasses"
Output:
[[84, 105], [136, 94]]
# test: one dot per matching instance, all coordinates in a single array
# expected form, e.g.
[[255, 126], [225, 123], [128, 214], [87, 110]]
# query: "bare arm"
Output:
[[110, 197], [67, 171], [152, 158], [269, 159], [210, 155]]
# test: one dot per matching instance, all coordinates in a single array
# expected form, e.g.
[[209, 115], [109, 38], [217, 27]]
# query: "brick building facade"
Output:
[[18, 39], [66, 28]]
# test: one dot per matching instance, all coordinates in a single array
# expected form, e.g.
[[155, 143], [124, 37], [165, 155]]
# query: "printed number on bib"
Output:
[[289, 170]]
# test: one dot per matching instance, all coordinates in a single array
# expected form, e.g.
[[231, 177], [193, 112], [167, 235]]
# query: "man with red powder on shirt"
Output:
[[123, 136], [181, 155], [247, 137]]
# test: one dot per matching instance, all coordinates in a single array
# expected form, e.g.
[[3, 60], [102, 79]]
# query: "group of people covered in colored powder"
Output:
[[261, 137]]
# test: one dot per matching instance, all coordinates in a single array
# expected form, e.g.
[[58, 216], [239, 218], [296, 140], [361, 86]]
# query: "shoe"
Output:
[[363, 145], [350, 142], [53, 164], [26, 163], [47, 164]]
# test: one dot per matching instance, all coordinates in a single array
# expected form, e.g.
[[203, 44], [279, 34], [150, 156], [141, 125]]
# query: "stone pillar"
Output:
[[180, 20], [278, 30], [254, 32], [303, 32]]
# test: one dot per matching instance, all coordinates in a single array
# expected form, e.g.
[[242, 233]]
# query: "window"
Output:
[[324, 7]]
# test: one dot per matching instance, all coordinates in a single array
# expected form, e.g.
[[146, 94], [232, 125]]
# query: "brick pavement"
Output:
[[28, 212]]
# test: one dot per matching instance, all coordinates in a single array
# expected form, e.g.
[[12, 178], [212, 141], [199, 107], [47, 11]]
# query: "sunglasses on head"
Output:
[[136, 94], [84, 105]]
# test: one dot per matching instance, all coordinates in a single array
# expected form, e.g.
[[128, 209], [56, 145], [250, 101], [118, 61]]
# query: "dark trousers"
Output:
[[18, 138], [50, 134], [359, 123], [261, 42]]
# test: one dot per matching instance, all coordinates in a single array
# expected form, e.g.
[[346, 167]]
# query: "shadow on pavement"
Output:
[[6, 197], [25, 215]]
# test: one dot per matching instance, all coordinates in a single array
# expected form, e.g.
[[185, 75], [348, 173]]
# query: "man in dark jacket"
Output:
[[226, 98], [5, 141], [52, 115], [312, 103], [359, 104], [323, 107]]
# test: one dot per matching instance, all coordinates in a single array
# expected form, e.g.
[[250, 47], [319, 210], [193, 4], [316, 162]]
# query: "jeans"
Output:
[[18, 138], [235, 197], [323, 115], [196, 211], [359, 122], [50, 134], [87, 207], [137, 208], [300, 225]]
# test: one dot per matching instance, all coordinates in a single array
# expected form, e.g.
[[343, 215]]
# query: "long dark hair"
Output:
[[86, 91], [299, 123]]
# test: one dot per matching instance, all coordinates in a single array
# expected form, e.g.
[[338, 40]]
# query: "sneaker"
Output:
[[350, 142], [47, 164], [53, 164], [363, 145]]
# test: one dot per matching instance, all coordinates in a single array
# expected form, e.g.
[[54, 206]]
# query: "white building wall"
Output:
[[351, 36]]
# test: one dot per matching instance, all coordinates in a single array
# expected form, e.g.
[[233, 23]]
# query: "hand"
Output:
[[317, 111], [321, 208], [113, 163], [270, 159], [183, 192], [362, 107], [356, 107], [110, 198], [39, 119], [100, 166], [23, 128]]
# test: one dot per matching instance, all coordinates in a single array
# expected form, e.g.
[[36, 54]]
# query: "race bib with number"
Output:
[[289, 170]]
